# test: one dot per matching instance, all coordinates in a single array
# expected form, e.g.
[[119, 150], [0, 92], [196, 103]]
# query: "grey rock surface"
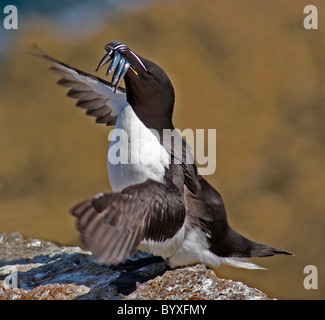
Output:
[[33, 269]]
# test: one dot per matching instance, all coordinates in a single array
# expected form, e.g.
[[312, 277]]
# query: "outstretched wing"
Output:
[[94, 94], [112, 225]]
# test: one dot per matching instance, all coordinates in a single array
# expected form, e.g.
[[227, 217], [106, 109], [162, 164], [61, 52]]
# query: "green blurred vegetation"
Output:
[[247, 68]]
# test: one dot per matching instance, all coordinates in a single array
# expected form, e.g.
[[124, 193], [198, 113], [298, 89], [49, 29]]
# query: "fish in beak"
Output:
[[117, 53]]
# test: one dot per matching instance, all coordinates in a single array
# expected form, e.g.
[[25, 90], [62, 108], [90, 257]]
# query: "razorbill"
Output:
[[162, 203]]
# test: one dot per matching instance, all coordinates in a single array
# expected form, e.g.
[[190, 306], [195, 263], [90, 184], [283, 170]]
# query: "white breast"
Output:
[[134, 154]]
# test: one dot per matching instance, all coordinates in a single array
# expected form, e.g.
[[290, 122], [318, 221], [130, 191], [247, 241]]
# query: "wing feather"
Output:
[[92, 92], [112, 225]]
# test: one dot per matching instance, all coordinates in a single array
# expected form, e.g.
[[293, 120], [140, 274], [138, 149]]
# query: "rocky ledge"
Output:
[[32, 269]]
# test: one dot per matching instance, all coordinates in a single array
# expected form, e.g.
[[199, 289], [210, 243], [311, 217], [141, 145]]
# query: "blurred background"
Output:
[[246, 68]]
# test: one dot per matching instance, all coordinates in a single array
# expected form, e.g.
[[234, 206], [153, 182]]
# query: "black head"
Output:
[[148, 89]]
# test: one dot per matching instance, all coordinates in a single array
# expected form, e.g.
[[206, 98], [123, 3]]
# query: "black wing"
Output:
[[94, 94], [112, 225]]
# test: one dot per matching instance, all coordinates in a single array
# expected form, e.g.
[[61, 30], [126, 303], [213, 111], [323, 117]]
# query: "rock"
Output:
[[194, 283], [32, 269], [46, 271]]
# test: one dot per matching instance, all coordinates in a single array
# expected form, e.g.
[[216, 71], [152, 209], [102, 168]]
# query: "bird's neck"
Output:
[[153, 117], [152, 111]]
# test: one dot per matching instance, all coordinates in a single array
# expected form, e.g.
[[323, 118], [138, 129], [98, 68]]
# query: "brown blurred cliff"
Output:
[[245, 68]]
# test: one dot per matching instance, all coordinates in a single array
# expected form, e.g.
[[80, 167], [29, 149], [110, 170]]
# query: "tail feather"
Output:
[[225, 242], [255, 250], [241, 263], [241, 247], [262, 250]]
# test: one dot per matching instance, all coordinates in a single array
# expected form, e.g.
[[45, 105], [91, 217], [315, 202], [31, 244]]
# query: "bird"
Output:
[[158, 198]]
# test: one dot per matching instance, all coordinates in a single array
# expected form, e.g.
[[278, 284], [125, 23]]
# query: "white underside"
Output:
[[143, 157], [189, 246], [134, 154]]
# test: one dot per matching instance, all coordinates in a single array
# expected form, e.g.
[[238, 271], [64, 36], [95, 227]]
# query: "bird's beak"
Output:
[[119, 63]]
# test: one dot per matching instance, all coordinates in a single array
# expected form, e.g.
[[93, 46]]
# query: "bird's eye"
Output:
[[148, 75]]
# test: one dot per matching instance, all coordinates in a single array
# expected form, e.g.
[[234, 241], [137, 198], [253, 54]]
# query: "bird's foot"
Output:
[[131, 265], [131, 274]]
